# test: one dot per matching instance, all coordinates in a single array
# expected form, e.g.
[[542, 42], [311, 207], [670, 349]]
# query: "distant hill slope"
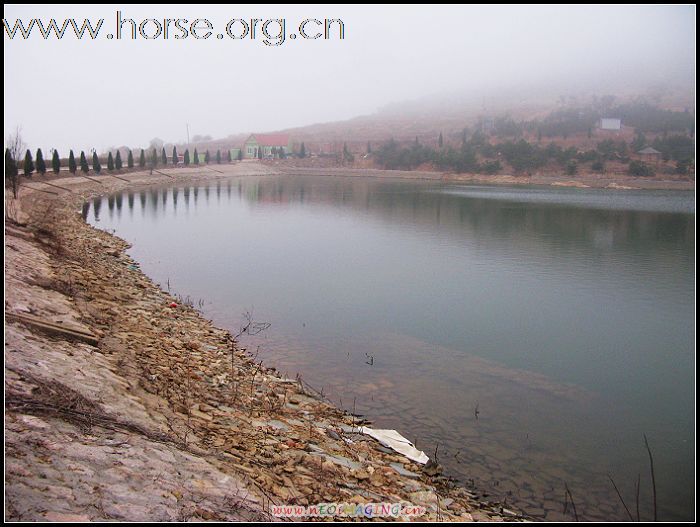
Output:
[[428, 117]]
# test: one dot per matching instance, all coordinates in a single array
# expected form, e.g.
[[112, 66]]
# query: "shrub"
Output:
[[640, 169]]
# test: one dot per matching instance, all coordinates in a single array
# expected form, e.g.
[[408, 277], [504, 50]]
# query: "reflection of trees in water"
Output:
[[153, 198], [152, 202], [110, 204], [553, 224], [529, 226]]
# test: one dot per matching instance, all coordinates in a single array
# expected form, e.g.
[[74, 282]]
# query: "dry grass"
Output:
[[50, 398]]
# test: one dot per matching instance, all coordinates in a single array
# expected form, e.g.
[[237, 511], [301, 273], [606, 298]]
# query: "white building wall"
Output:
[[609, 123]]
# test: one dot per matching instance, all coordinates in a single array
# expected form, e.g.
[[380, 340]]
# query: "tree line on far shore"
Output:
[[37, 164], [477, 153], [528, 145]]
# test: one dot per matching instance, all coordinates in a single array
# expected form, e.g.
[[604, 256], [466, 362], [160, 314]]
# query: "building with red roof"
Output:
[[269, 144]]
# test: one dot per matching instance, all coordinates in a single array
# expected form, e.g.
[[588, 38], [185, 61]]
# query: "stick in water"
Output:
[[653, 479], [620, 496], [571, 499]]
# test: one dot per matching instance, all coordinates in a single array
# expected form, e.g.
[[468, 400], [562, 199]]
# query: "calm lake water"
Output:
[[564, 316]]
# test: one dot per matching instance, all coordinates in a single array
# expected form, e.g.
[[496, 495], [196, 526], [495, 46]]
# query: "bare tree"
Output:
[[14, 148], [16, 144], [11, 173], [155, 143]]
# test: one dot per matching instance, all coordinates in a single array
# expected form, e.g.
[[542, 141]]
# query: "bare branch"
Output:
[[620, 496], [653, 478]]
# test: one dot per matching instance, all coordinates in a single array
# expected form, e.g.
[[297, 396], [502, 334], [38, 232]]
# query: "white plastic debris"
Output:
[[392, 439]]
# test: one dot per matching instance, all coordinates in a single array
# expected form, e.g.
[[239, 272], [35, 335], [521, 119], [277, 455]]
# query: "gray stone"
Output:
[[399, 468], [340, 460]]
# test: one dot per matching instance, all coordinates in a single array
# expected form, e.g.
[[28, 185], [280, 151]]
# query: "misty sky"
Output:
[[102, 93]]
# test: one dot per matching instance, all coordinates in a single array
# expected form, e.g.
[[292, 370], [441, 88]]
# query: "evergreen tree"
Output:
[[639, 141], [598, 165], [280, 153], [56, 162], [110, 162], [130, 159], [174, 156], [240, 155], [28, 164], [96, 163], [40, 163], [72, 165], [83, 162], [302, 150], [187, 157], [230, 157], [11, 171], [440, 140], [347, 155], [142, 159], [260, 153], [154, 159], [163, 158], [118, 161], [639, 168], [206, 157], [218, 157], [196, 157], [683, 166]]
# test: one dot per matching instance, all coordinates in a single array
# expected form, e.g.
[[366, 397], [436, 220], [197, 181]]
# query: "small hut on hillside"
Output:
[[649, 154]]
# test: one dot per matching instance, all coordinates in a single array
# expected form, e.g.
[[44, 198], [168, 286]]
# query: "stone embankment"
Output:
[[165, 418]]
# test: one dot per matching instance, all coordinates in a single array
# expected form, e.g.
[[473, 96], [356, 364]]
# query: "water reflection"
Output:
[[85, 210], [566, 316]]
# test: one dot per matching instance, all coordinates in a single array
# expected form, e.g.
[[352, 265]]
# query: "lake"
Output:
[[532, 335]]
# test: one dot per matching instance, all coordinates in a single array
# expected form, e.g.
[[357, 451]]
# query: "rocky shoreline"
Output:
[[166, 418]]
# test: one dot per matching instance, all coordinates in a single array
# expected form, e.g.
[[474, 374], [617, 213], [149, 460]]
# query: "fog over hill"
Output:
[[411, 70], [451, 113]]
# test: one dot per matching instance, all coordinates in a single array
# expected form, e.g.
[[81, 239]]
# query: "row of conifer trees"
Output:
[[30, 165]]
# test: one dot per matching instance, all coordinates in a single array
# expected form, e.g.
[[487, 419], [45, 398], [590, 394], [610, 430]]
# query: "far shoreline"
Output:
[[595, 181], [293, 168]]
